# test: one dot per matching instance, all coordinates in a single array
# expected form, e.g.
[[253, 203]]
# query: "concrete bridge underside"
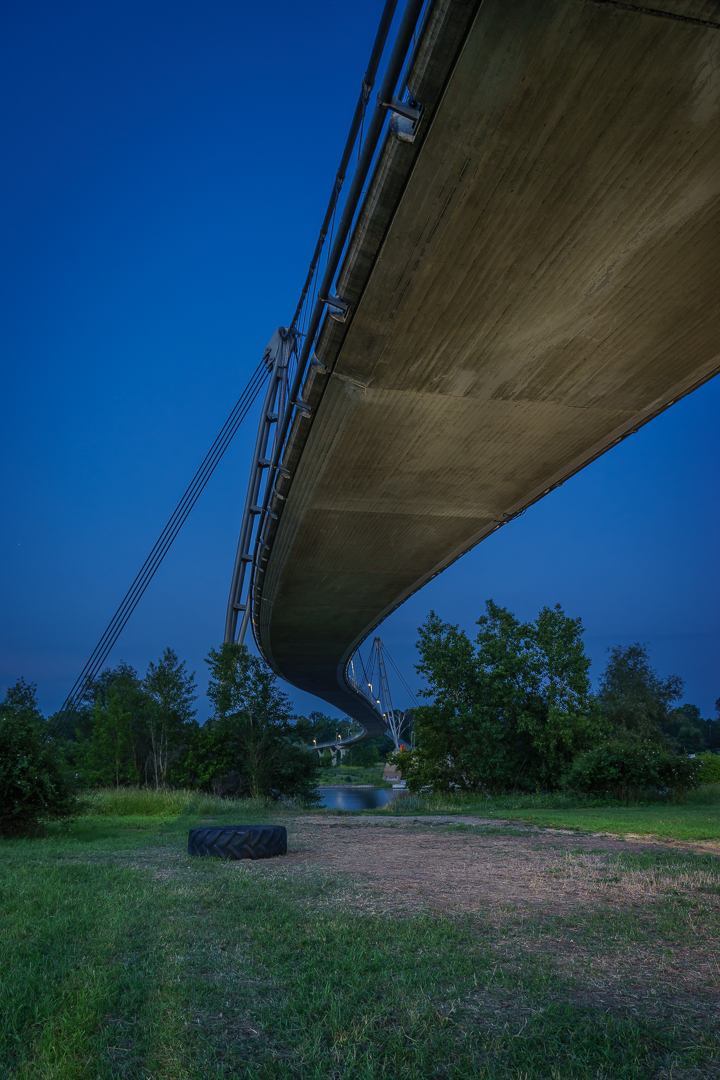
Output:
[[530, 280]]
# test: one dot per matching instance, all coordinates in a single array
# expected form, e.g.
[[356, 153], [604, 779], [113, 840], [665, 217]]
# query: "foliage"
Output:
[[385, 746], [166, 803], [711, 729], [626, 765], [109, 755], [250, 747], [650, 738], [124, 679], [508, 713], [128, 728], [709, 771], [633, 697], [319, 728], [34, 782], [362, 756], [110, 744], [686, 729], [170, 697]]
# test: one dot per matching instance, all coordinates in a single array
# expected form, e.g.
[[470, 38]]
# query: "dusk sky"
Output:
[[166, 169]]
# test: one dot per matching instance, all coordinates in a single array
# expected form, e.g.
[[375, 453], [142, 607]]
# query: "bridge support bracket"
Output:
[[317, 365], [337, 309], [411, 110]]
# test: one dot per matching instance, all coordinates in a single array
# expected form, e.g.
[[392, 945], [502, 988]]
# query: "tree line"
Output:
[[513, 711], [133, 730]]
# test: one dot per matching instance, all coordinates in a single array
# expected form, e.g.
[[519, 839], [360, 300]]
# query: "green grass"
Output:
[[697, 818], [123, 958], [352, 775], [683, 822], [146, 802]]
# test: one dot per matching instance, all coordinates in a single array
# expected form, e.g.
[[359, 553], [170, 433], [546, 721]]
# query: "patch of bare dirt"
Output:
[[430, 864]]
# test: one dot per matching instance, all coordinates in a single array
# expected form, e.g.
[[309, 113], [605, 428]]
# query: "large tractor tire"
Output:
[[239, 841]]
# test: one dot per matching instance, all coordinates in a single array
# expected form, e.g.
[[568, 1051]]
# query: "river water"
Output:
[[349, 798]]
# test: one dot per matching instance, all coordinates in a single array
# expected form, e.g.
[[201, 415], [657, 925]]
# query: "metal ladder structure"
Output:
[[280, 351]]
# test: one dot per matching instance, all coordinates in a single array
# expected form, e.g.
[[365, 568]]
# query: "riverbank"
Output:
[[382, 945]]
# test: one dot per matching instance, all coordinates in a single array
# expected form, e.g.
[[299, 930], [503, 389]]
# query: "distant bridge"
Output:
[[526, 269]]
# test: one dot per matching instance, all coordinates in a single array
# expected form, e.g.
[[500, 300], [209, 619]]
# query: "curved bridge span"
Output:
[[533, 273]]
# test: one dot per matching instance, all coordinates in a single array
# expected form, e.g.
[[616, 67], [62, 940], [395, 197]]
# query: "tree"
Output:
[[686, 730], [109, 756], [712, 729], [633, 697], [94, 722], [20, 702], [509, 712], [34, 781], [171, 693], [362, 756], [250, 747], [321, 728]]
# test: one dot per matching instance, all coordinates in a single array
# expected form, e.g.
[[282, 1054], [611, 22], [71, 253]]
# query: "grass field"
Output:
[[696, 818], [121, 957]]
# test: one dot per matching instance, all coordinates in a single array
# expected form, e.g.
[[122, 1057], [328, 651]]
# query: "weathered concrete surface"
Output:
[[534, 278]]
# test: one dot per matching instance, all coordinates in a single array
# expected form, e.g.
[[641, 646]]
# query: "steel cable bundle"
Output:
[[161, 547]]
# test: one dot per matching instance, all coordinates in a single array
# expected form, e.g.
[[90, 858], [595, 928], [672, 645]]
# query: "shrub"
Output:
[[709, 768], [34, 783], [422, 771], [627, 765]]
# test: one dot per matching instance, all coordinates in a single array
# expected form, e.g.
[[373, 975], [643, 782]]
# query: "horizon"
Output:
[[162, 214]]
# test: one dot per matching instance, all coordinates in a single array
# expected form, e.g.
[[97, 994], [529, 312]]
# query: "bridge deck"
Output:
[[532, 279]]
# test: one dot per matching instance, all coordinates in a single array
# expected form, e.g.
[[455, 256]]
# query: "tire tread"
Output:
[[239, 841]]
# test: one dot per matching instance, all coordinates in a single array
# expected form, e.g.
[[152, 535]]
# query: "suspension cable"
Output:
[[161, 547], [400, 676]]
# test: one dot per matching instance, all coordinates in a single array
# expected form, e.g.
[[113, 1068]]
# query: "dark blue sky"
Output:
[[166, 170]]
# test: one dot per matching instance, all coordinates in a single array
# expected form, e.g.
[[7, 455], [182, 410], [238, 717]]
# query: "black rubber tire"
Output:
[[239, 841]]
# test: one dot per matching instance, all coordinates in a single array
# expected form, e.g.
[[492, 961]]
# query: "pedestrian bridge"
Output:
[[531, 274]]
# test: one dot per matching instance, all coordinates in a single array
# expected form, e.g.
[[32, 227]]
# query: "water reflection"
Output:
[[347, 798]]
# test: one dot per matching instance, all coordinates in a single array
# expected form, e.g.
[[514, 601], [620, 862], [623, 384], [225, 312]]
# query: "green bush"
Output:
[[627, 765], [709, 768], [423, 771], [34, 781], [362, 757]]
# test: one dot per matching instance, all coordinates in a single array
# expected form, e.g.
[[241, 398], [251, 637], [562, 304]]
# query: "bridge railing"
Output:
[[295, 343]]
